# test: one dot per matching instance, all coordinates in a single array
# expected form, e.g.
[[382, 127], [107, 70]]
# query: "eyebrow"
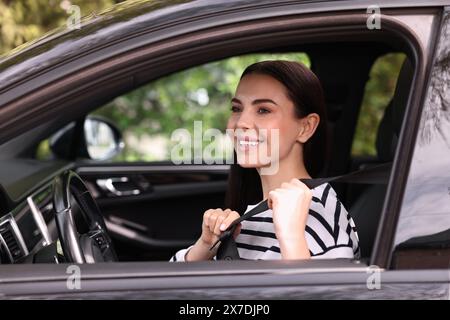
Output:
[[257, 101]]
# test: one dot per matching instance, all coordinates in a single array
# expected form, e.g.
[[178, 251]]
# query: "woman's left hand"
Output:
[[290, 205]]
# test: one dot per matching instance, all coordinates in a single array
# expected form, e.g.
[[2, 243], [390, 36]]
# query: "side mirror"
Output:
[[101, 140]]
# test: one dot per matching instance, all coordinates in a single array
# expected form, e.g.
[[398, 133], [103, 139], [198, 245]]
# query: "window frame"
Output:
[[119, 74], [411, 256]]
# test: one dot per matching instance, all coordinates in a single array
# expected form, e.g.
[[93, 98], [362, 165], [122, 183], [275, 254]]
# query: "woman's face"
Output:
[[265, 128]]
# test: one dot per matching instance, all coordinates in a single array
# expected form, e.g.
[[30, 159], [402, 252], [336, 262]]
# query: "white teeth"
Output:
[[248, 143]]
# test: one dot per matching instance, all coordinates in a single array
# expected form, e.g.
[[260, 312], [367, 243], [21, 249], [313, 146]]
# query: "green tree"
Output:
[[22, 21], [378, 92]]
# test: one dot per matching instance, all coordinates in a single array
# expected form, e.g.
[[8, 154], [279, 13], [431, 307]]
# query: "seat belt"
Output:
[[378, 174]]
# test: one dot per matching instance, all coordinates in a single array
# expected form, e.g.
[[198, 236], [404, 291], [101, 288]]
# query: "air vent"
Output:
[[12, 238], [5, 255]]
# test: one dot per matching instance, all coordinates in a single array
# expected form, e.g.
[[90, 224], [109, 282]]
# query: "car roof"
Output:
[[126, 19]]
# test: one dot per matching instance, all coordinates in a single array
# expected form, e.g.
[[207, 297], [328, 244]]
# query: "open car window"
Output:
[[106, 107], [149, 116], [142, 191]]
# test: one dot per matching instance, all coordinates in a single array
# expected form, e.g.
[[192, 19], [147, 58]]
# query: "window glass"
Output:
[[195, 100], [377, 94], [425, 210]]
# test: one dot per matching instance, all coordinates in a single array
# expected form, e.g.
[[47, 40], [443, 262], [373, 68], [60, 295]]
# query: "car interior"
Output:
[[153, 209]]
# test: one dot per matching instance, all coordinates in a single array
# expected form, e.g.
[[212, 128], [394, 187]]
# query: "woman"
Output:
[[278, 108]]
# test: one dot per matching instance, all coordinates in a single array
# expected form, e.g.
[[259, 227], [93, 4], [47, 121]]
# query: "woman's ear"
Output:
[[308, 126]]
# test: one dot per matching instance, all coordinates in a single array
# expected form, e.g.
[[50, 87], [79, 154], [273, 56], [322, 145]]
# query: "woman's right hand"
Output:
[[215, 222]]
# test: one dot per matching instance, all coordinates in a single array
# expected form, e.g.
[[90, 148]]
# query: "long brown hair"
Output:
[[305, 91]]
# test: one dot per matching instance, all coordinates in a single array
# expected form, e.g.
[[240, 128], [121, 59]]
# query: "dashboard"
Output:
[[28, 233]]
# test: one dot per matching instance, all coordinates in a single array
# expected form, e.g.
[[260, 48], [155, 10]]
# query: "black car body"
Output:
[[57, 80]]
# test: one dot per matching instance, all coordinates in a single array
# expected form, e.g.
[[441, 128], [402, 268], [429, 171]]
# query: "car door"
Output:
[[420, 243], [154, 209], [416, 264], [270, 279], [422, 252]]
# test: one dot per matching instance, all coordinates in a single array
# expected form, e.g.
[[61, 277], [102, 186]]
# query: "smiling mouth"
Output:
[[248, 143]]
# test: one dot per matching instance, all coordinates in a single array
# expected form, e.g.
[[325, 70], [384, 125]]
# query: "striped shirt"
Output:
[[330, 231]]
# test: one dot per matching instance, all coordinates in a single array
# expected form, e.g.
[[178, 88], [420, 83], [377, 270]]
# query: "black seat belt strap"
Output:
[[378, 174]]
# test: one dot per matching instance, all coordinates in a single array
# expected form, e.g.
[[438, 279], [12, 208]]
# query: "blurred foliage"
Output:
[[149, 114], [201, 93], [176, 102], [25, 20], [378, 92]]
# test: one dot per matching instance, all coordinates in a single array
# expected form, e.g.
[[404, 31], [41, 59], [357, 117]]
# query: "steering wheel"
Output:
[[81, 227]]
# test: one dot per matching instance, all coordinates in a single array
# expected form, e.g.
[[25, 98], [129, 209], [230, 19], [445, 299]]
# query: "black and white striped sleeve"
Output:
[[330, 232]]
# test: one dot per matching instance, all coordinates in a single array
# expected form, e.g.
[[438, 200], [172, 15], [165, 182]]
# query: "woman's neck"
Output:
[[288, 169]]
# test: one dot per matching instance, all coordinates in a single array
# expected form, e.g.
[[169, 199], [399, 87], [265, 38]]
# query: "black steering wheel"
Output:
[[82, 230]]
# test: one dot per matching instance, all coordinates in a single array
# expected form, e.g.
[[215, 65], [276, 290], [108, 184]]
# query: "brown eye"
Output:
[[263, 110], [235, 109]]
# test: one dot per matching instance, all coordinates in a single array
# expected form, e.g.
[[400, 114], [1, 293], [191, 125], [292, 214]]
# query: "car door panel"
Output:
[[153, 210], [314, 279]]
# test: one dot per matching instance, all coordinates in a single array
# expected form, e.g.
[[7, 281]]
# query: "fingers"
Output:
[[206, 217], [232, 215], [217, 220]]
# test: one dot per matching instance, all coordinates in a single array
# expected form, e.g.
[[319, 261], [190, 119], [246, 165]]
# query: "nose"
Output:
[[245, 121]]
